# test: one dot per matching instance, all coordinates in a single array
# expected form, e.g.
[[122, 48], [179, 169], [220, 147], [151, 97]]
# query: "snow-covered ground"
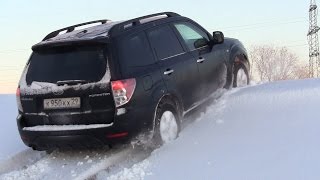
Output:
[[10, 142], [268, 131]]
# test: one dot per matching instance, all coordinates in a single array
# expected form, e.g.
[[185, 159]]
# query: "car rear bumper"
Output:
[[123, 129], [87, 137]]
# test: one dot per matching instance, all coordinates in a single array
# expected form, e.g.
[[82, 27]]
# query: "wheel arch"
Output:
[[239, 55], [173, 99]]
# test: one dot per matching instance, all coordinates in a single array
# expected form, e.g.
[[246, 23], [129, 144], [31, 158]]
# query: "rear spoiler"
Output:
[[47, 45], [72, 28]]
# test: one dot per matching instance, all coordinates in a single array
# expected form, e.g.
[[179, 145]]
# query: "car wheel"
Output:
[[167, 123], [241, 76]]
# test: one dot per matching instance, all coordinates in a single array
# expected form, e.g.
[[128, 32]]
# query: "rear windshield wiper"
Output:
[[71, 82]]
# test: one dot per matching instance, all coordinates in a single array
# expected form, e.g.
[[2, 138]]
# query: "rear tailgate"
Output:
[[67, 86]]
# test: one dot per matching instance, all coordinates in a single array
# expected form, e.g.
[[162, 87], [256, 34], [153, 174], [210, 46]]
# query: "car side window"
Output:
[[193, 36], [164, 42], [135, 51]]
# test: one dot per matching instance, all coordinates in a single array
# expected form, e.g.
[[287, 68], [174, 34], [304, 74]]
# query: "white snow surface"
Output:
[[266, 131], [269, 131], [65, 127], [10, 142]]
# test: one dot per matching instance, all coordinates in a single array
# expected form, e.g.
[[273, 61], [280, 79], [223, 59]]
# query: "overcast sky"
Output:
[[24, 23]]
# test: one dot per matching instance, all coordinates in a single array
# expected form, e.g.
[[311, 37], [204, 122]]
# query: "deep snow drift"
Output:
[[10, 142], [268, 131]]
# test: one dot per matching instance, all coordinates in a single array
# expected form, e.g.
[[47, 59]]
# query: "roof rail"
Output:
[[71, 28], [137, 21]]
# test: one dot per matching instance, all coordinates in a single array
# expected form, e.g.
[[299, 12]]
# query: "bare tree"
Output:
[[301, 71], [273, 63]]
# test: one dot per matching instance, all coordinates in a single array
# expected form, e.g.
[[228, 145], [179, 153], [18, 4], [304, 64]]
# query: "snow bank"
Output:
[[74, 164], [9, 135], [268, 131]]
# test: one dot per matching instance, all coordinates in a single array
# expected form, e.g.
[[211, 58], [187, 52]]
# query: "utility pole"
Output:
[[314, 56]]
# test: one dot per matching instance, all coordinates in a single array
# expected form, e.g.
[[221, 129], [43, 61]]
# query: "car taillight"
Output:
[[122, 90], [18, 100]]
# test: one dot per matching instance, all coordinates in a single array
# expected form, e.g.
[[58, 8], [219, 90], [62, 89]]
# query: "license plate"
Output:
[[61, 103]]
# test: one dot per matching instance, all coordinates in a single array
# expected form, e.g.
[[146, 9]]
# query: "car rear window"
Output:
[[67, 63]]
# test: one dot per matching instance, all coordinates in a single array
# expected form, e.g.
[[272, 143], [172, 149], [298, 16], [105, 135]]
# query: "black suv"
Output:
[[110, 82]]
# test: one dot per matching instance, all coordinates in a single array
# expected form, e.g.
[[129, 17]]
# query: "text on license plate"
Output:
[[61, 103]]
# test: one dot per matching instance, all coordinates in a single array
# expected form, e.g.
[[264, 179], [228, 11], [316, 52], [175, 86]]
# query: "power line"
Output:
[[300, 45], [7, 83], [266, 22], [11, 69], [10, 80], [258, 27], [9, 66], [297, 41], [14, 51]]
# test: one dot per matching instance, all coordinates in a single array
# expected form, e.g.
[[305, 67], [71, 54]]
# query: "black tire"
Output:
[[165, 105], [235, 74]]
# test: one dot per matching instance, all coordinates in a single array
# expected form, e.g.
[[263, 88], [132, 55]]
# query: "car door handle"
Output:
[[200, 60], [168, 72]]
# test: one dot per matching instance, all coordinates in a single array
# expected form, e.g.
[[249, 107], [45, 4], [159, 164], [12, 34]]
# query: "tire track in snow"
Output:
[[87, 164], [20, 160], [215, 104], [77, 164]]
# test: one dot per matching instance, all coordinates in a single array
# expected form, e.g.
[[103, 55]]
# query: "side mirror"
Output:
[[200, 43], [218, 37]]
